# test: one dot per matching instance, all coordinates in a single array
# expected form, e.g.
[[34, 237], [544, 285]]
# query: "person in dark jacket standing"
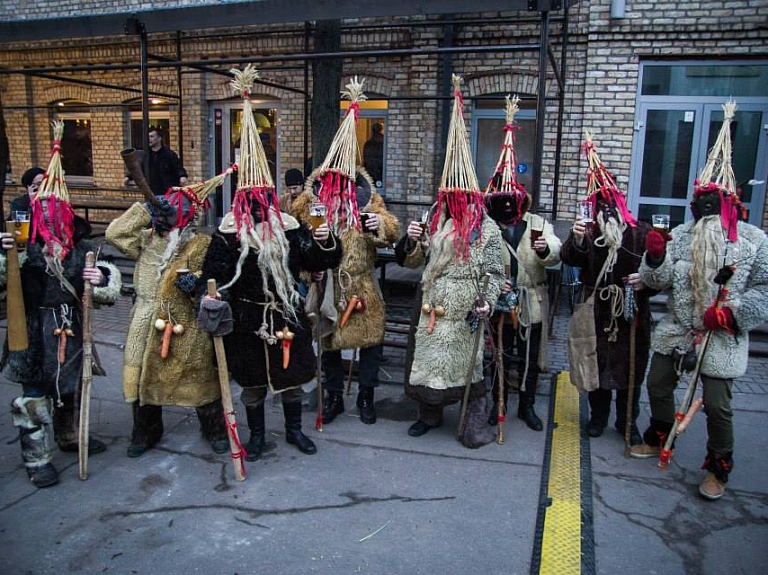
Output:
[[165, 168]]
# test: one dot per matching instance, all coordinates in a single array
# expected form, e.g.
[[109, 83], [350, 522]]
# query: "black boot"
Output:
[[65, 428], [32, 415], [255, 446], [366, 406], [599, 411], [212, 425], [293, 434], [147, 428], [525, 409], [333, 406]]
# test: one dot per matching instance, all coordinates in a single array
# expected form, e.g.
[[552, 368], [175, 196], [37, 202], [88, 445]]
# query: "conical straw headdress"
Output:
[[504, 178], [459, 191], [58, 229], [602, 185], [197, 196], [255, 186], [338, 173], [717, 176]]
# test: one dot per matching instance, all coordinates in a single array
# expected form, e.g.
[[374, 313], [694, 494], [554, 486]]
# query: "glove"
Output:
[[717, 319], [656, 244], [723, 275], [163, 215]]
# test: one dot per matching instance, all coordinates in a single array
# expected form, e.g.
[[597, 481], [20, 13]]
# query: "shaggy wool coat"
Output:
[[251, 360], [727, 354], [613, 357], [187, 377], [37, 367], [355, 275], [442, 359]]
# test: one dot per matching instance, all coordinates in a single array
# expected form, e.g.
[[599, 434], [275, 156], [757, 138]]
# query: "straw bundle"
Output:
[[504, 178], [601, 183], [197, 194]]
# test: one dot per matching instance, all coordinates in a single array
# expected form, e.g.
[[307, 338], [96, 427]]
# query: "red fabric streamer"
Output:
[[175, 198], [241, 453], [731, 208], [337, 194], [261, 198], [466, 209], [355, 108], [58, 229]]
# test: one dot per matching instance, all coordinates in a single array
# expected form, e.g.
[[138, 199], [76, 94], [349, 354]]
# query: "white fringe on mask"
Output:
[[612, 233]]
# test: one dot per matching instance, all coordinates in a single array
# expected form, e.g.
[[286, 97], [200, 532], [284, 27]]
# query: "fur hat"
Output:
[[717, 176], [459, 196], [504, 182], [601, 185]]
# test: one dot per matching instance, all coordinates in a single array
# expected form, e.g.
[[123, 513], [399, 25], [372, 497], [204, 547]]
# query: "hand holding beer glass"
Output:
[[660, 223], [317, 213], [537, 229], [18, 226]]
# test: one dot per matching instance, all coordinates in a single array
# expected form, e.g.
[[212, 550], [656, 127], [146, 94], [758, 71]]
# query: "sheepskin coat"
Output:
[[252, 361], [613, 357], [45, 302], [355, 275], [529, 270], [187, 377], [727, 354], [442, 359]]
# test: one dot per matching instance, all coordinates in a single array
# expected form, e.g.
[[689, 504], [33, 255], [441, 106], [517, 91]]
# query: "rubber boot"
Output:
[[65, 428], [333, 406], [147, 428], [293, 434], [212, 425], [525, 409], [599, 411], [255, 446], [32, 415], [366, 406]]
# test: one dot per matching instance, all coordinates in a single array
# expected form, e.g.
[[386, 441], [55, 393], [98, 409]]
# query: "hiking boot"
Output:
[[711, 488], [644, 451], [333, 406]]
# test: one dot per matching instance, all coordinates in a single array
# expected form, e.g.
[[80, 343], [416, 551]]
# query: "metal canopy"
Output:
[[228, 14]]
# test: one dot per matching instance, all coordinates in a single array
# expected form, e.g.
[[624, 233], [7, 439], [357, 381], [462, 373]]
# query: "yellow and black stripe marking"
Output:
[[564, 539]]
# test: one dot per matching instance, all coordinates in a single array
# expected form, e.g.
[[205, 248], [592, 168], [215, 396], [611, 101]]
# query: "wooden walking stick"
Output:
[[85, 392], [471, 369], [319, 365], [235, 447], [500, 372], [14, 304], [630, 308]]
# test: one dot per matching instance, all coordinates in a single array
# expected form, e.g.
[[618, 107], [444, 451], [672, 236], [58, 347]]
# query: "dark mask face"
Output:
[[705, 205], [256, 208], [503, 208], [608, 210]]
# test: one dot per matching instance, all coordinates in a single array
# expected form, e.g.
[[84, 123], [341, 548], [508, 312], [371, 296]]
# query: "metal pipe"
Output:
[[540, 111], [144, 97], [307, 29], [560, 114], [180, 111]]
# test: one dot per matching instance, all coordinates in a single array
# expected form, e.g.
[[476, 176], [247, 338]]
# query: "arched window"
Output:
[[159, 119], [76, 151]]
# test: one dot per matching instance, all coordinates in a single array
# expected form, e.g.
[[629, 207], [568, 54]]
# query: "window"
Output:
[[76, 150], [159, 119], [371, 138]]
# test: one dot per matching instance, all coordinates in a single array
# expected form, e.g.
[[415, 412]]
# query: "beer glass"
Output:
[[660, 222], [586, 212], [19, 222], [537, 228], [317, 213]]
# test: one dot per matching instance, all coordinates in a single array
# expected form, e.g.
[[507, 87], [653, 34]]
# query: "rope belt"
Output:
[[615, 296]]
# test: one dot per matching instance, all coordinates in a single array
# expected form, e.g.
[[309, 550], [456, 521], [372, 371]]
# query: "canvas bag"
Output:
[[582, 342]]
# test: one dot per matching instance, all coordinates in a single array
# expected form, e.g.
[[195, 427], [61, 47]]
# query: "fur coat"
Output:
[[187, 377], [727, 354], [252, 361], [355, 275], [441, 360], [48, 306], [613, 357]]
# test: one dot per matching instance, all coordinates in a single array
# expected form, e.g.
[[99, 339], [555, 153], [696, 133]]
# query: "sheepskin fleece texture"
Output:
[[442, 360], [727, 355], [613, 357], [36, 367], [251, 360], [187, 377], [364, 329]]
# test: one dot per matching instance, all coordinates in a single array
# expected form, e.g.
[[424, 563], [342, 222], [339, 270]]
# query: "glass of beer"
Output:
[[424, 221], [317, 213], [660, 222], [19, 222], [537, 228], [586, 211]]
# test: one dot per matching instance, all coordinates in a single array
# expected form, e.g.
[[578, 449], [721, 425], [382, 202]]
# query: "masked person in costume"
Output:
[[525, 324], [717, 269], [256, 257], [168, 360], [354, 303], [53, 276], [461, 245], [608, 257]]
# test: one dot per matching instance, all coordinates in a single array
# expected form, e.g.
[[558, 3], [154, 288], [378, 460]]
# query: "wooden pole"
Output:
[[235, 447], [500, 373], [85, 392], [17, 317]]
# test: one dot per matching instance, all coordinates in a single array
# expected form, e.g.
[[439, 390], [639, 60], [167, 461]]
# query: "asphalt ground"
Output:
[[374, 500]]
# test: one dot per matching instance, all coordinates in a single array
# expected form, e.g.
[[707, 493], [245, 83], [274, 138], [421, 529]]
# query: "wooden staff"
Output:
[[631, 388], [14, 303], [319, 365], [235, 447], [471, 368], [85, 393], [501, 416], [133, 163]]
